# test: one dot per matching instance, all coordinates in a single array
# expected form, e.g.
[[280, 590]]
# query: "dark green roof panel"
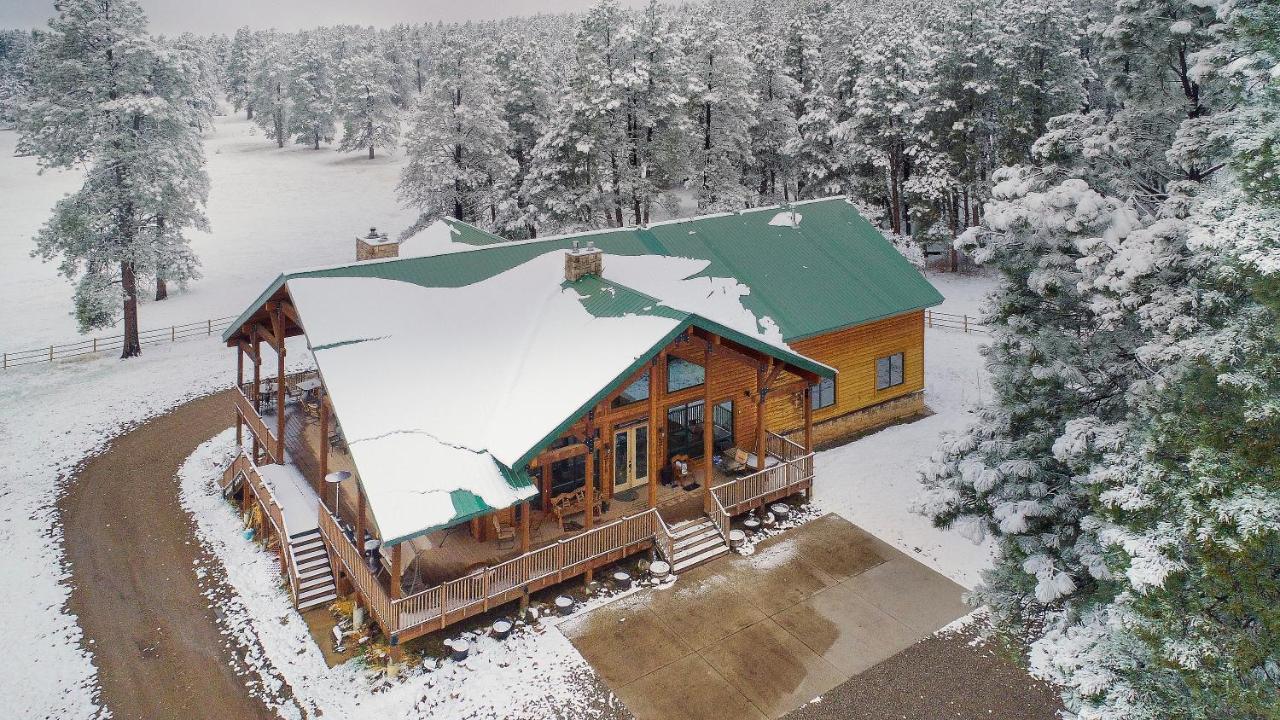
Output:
[[832, 270]]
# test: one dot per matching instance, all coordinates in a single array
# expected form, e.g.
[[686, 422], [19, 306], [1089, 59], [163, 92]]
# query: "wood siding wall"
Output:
[[853, 352]]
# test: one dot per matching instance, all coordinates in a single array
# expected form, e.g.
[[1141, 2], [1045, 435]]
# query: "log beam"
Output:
[[397, 569], [708, 432]]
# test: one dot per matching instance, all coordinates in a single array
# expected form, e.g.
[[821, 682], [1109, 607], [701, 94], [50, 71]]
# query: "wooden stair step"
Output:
[[710, 554], [316, 602]]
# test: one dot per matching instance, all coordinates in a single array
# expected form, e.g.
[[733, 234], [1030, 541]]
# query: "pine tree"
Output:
[[459, 164], [106, 95], [241, 60], [366, 102], [721, 110], [269, 81], [521, 74], [775, 132], [311, 91]]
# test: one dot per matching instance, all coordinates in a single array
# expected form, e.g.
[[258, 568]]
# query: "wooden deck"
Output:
[[453, 552]]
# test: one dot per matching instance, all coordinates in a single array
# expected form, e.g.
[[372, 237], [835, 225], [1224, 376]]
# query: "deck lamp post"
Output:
[[336, 479]]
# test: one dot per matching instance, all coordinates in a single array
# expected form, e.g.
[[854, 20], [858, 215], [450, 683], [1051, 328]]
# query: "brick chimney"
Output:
[[375, 247], [579, 261]]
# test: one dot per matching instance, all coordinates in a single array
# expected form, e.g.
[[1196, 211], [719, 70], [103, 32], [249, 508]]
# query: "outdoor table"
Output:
[[309, 384]]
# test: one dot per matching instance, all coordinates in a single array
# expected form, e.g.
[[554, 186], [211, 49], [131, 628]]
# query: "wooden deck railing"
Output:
[[782, 448], [492, 586], [352, 560], [243, 466], [258, 426], [777, 481]]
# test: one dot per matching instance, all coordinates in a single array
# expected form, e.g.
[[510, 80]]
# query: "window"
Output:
[[823, 394], [889, 371], [569, 474], [684, 428], [683, 374], [635, 392]]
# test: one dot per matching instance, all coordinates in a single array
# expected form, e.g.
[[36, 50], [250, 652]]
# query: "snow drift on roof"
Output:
[[435, 387]]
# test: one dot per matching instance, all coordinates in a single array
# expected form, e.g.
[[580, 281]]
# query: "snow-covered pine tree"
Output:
[[818, 164], [459, 162], [721, 111], [269, 81], [366, 102], [104, 94], [241, 61], [521, 72], [580, 165], [650, 87], [884, 80], [775, 131], [15, 46], [312, 113]]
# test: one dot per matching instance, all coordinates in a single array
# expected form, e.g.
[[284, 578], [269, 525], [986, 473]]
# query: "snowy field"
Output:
[[270, 208]]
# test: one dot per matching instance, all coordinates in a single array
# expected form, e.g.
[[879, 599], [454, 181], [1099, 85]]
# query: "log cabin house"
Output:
[[501, 416]]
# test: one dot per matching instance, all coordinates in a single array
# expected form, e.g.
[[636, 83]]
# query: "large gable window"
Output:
[[635, 392], [888, 371], [682, 374]]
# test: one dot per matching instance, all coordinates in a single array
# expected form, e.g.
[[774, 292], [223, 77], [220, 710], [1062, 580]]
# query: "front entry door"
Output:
[[630, 457]]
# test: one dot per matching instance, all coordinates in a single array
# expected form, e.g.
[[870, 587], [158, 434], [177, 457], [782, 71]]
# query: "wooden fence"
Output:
[[352, 560], [93, 345], [966, 323]]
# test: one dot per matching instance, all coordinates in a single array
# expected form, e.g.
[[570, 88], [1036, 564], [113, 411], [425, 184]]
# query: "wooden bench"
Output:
[[571, 503]]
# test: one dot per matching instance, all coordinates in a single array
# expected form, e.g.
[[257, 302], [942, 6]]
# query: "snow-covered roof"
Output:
[[445, 393]]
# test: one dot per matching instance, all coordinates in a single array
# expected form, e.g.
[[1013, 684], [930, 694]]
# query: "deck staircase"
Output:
[[695, 542], [315, 573]]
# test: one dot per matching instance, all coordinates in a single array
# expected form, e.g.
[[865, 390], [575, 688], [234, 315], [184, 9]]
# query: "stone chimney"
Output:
[[579, 261], [375, 247]]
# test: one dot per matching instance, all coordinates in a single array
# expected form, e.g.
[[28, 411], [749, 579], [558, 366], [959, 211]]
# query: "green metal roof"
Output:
[[831, 271], [472, 235]]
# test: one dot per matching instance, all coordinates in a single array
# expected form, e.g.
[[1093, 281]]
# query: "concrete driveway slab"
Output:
[[917, 596], [687, 689], [624, 641], [764, 634], [846, 630], [704, 607], [773, 669], [776, 577]]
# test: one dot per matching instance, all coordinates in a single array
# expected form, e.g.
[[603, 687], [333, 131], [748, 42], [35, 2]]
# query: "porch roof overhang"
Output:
[[445, 394]]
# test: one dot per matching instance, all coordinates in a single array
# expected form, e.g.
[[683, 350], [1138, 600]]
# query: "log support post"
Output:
[[360, 520], [589, 515], [239, 388], [656, 386], [808, 432], [762, 393], [324, 448], [708, 432], [277, 322], [397, 569]]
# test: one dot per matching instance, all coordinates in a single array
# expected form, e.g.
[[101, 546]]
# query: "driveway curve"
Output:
[[132, 552]]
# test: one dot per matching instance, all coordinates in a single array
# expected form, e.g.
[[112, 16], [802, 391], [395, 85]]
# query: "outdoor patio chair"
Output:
[[504, 533]]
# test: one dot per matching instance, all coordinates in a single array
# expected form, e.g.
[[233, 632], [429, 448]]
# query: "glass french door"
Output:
[[630, 457]]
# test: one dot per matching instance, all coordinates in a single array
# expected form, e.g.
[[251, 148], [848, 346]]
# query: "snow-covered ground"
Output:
[[52, 416], [872, 481], [536, 673], [271, 209]]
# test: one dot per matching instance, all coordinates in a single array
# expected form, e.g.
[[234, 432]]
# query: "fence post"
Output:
[[6, 361], [966, 323], [210, 321], [95, 344], [173, 333], [50, 353]]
